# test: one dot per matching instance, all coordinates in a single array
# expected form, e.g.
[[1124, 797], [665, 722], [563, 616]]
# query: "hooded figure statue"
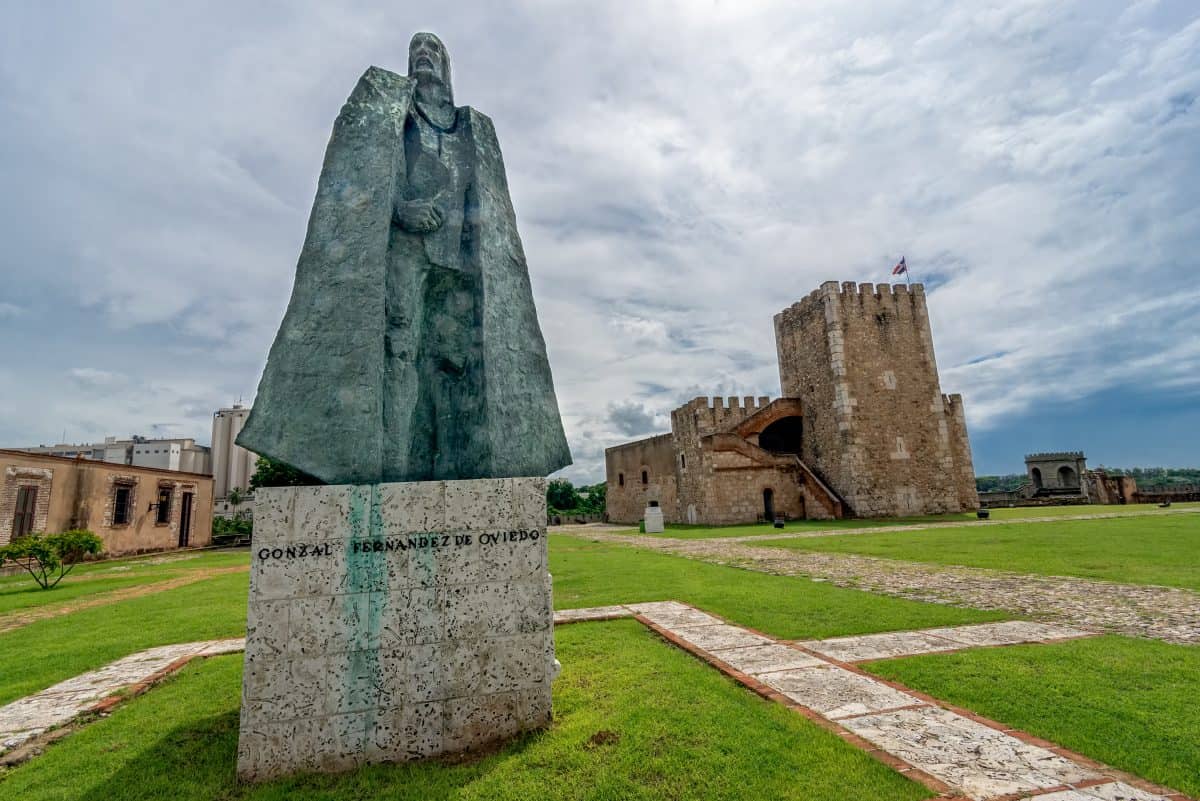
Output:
[[410, 350]]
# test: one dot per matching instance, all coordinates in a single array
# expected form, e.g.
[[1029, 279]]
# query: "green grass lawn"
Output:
[[1138, 550], [20, 592], [1130, 703], [46, 652], [585, 574], [675, 729], [690, 532], [599, 574]]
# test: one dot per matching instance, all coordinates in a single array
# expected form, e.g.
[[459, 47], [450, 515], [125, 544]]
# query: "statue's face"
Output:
[[427, 58]]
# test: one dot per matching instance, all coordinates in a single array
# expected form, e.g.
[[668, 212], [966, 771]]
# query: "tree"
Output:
[[593, 498], [270, 473], [43, 554], [561, 496], [235, 496]]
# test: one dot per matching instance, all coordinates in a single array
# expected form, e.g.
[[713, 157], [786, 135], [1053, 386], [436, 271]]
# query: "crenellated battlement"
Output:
[[1054, 456], [713, 413], [856, 298]]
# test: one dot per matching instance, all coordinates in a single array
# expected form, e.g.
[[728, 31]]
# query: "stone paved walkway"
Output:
[[834, 532], [33, 715], [952, 751], [1162, 613]]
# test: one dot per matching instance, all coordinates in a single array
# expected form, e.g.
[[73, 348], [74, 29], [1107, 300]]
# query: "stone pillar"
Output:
[[392, 622]]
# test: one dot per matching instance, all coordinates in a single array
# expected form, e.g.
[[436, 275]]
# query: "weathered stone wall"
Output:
[[391, 622], [626, 495], [960, 445], [700, 499], [79, 493], [877, 427]]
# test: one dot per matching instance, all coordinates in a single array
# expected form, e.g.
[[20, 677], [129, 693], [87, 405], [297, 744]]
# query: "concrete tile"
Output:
[[970, 757], [1116, 791], [758, 659], [326, 625], [835, 692], [672, 614], [719, 637], [273, 512], [478, 611], [322, 513], [266, 751], [880, 646], [412, 731], [339, 741], [267, 627], [484, 504], [353, 683], [492, 665], [590, 613], [1007, 632], [474, 721], [410, 675], [529, 503], [518, 555], [412, 506], [406, 617]]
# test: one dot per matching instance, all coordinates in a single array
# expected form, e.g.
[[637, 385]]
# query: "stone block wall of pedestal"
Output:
[[392, 622]]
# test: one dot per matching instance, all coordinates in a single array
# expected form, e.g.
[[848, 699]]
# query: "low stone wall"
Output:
[[393, 622]]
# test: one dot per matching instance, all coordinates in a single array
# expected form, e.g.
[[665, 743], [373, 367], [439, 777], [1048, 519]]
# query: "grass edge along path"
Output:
[[634, 719], [211, 609], [853, 525], [1126, 702], [589, 574], [1163, 551]]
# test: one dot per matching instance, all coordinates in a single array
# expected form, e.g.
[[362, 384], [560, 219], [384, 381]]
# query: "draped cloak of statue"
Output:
[[409, 356]]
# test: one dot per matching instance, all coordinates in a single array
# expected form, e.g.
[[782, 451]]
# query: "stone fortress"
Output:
[[862, 429]]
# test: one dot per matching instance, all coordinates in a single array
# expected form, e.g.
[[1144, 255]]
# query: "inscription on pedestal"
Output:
[[393, 622]]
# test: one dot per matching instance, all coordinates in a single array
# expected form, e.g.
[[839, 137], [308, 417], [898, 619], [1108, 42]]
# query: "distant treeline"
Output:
[[562, 497], [1148, 478]]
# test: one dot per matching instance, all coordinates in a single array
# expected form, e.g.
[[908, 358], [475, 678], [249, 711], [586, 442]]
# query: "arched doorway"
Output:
[[768, 505], [1036, 475], [1067, 477], [782, 436]]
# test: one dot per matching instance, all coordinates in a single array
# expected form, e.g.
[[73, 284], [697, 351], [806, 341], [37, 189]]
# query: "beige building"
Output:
[[232, 465], [132, 508], [862, 429]]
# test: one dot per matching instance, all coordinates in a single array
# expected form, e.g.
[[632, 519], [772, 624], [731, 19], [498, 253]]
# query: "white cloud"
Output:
[[679, 174]]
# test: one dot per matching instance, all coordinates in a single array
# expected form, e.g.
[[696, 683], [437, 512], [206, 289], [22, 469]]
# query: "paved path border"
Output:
[[1170, 614], [833, 532], [952, 751], [24, 721]]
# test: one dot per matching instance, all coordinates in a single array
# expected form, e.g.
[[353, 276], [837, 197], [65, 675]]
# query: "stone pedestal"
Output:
[[392, 622], [654, 520]]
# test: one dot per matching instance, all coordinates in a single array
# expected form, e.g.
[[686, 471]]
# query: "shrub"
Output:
[[43, 554]]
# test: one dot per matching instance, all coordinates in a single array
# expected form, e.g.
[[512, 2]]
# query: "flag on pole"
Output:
[[901, 268]]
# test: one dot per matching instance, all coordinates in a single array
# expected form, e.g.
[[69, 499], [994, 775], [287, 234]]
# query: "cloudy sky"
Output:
[[681, 171]]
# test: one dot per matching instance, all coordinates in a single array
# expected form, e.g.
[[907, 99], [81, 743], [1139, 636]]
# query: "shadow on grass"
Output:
[[198, 761]]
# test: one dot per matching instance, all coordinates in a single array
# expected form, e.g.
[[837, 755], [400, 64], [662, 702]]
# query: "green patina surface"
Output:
[[410, 350]]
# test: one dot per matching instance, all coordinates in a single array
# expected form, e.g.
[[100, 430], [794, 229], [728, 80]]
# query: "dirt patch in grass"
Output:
[[15, 620]]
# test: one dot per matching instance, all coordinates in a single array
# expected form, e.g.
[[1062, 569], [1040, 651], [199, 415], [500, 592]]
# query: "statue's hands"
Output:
[[418, 216]]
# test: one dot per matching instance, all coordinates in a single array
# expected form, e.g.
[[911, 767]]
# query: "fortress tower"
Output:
[[877, 427], [862, 429]]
